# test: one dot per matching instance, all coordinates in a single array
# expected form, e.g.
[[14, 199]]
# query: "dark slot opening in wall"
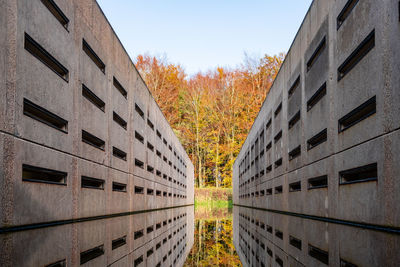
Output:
[[150, 229], [268, 124], [38, 113], [319, 254], [158, 193], [344, 263], [360, 174], [138, 234], [269, 229], [150, 252], [262, 193], [295, 153], [279, 234], [91, 254], [158, 153], [45, 57], [279, 261], [278, 109], [158, 173], [295, 242], [262, 135], [278, 189], [269, 251], [318, 182], [317, 139], [150, 169], [293, 87], [158, 245], [294, 120], [165, 176], [57, 12], [43, 175], [89, 95], [119, 153], [139, 137], [278, 163], [139, 163], [118, 187], [164, 194], [119, 242], [357, 55], [268, 147], [358, 114], [150, 191], [92, 140], [348, 7], [138, 261], [92, 183], [317, 53], [93, 56], [120, 88], [139, 111], [139, 190], [150, 124], [61, 263], [316, 97], [294, 187], [278, 136], [121, 122], [158, 134], [269, 191]]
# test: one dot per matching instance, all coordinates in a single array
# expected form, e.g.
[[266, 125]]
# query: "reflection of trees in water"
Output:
[[211, 213], [213, 244]]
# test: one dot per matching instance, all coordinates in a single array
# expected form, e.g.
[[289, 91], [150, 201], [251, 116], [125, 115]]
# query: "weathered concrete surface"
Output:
[[265, 162], [269, 173], [24, 140]]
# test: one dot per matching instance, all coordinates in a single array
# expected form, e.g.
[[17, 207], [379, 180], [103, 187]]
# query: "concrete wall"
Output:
[[282, 153], [30, 137]]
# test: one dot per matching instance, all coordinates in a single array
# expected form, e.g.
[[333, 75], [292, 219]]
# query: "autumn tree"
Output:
[[211, 112]]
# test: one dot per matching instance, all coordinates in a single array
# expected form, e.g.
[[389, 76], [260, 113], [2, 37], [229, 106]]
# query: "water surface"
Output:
[[213, 238]]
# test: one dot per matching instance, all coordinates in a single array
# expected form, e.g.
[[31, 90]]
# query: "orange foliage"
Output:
[[211, 112]]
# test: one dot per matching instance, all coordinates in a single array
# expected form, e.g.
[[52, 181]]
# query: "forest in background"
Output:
[[212, 112]]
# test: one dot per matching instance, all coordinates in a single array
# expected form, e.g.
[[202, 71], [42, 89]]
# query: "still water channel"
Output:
[[186, 236], [213, 238]]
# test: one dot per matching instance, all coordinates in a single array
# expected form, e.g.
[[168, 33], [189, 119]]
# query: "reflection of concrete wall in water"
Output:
[[326, 140], [80, 134], [265, 238], [158, 238]]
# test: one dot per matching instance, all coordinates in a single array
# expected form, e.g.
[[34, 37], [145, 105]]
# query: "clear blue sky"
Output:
[[204, 34]]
